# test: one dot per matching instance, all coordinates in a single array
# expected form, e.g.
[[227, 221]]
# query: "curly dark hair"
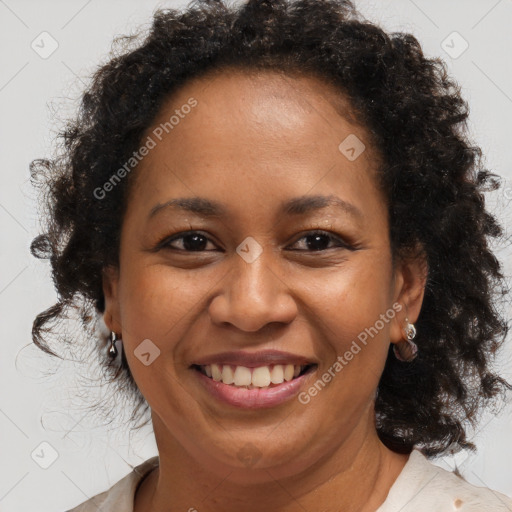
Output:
[[431, 174]]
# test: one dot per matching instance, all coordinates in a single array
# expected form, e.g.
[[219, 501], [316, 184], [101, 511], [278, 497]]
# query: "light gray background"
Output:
[[32, 407]]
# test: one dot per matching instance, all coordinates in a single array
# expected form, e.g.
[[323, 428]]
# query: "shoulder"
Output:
[[423, 486], [120, 497]]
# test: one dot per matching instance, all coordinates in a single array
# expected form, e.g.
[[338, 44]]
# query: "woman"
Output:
[[206, 166]]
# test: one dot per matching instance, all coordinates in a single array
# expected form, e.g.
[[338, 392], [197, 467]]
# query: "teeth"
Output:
[[216, 373], [288, 372], [227, 374], [242, 376], [277, 374], [260, 377]]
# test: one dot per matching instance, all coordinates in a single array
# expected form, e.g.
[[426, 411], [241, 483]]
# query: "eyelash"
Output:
[[165, 243]]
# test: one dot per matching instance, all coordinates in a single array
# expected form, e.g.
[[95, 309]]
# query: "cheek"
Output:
[[347, 315], [154, 299], [347, 311], [349, 299]]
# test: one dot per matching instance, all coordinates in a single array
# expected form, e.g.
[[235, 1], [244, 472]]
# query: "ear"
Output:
[[410, 280], [111, 316]]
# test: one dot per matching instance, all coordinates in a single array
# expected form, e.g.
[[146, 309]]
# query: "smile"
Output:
[[258, 377], [253, 387]]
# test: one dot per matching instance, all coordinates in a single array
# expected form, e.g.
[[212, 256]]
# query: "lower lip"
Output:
[[253, 398]]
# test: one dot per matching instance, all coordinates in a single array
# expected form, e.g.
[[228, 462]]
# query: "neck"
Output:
[[356, 476]]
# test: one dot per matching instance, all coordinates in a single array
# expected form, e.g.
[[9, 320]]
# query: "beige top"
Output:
[[420, 487]]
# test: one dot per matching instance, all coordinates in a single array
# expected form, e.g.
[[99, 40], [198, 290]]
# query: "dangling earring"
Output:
[[112, 351], [407, 350]]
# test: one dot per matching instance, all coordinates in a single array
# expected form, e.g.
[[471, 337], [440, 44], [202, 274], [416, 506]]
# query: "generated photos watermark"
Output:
[[150, 143], [342, 360]]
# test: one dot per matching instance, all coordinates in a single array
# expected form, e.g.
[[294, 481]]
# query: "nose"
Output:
[[252, 295]]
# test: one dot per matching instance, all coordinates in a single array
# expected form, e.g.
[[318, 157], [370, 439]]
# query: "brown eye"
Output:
[[319, 241], [192, 241]]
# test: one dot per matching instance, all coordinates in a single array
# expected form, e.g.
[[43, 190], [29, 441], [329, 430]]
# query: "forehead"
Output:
[[278, 102], [251, 133]]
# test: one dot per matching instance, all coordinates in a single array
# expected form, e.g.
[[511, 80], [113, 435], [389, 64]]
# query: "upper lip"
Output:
[[255, 359]]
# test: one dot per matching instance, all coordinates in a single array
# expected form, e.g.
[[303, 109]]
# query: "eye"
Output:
[[195, 241], [191, 241], [317, 241]]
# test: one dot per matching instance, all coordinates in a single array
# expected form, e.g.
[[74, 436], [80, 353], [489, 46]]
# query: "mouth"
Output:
[[254, 380], [258, 377]]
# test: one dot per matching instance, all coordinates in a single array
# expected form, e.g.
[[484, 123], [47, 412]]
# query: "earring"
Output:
[[406, 350], [112, 351]]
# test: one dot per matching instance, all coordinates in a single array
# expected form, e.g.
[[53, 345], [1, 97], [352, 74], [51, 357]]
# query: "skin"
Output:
[[252, 142]]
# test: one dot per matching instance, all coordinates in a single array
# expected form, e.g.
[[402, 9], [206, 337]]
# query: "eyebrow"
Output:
[[301, 205]]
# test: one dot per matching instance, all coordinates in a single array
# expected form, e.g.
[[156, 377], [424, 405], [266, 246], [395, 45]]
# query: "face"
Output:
[[256, 276]]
